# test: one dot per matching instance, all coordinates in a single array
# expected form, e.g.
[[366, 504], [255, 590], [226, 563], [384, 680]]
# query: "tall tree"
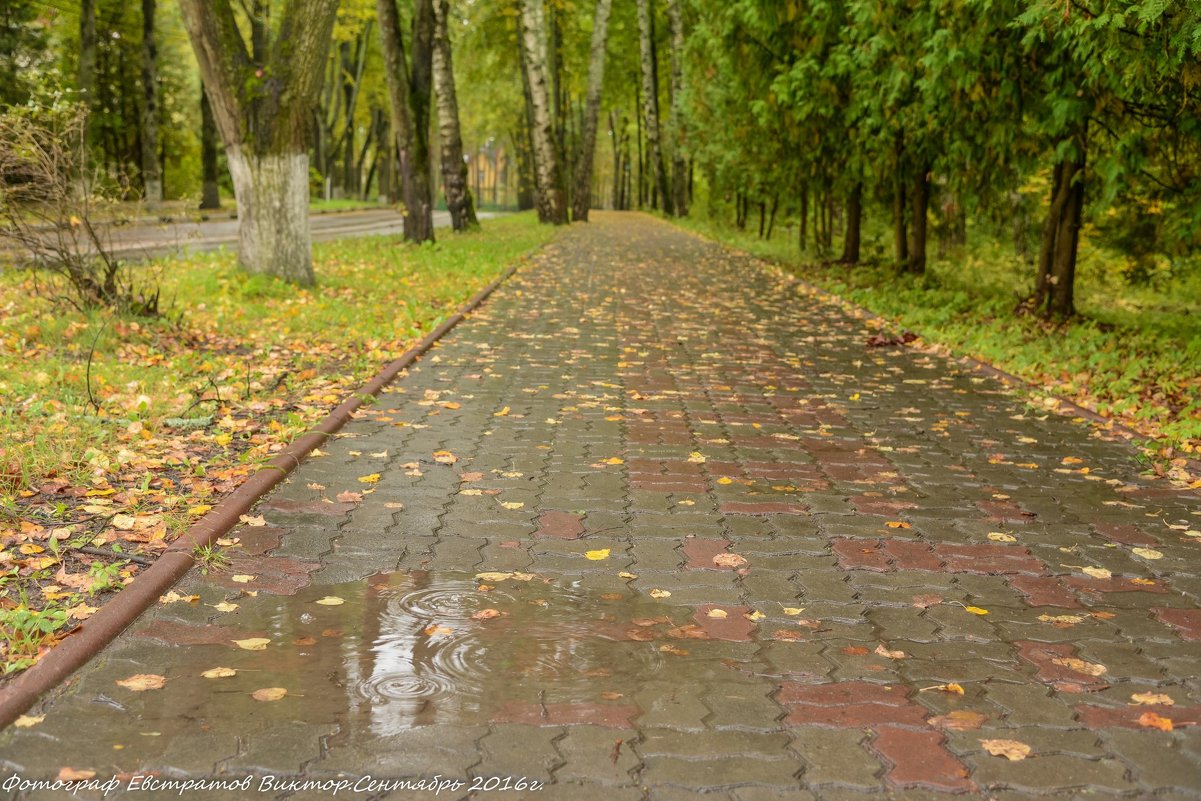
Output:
[[87, 55], [409, 88], [679, 167], [548, 189], [210, 195], [454, 169], [582, 199], [262, 114], [152, 179], [650, 101]]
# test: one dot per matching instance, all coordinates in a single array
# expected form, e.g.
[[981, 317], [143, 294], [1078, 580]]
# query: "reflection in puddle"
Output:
[[415, 649]]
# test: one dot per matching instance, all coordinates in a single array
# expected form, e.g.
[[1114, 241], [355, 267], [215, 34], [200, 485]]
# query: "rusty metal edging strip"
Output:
[[116, 615]]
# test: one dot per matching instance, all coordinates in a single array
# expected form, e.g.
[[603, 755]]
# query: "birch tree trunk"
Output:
[[263, 115], [547, 188], [650, 103], [409, 93], [679, 167], [582, 199], [152, 180], [454, 169]]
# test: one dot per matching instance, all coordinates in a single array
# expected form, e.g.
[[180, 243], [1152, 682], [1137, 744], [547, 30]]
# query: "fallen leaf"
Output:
[[225, 606], [613, 460], [925, 601], [626, 575], [445, 457], [611, 696], [1061, 619], [959, 720], [1150, 720], [672, 649], [143, 681], [1147, 553], [253, 522], [792, 611], [512, 504], [436, 630], [1080, 666], [330, 600], [855, 650], [1152, 698], [696, 457], [882, 651], [25, 721], [1096, 572], [373, 478], [82, 611], [349, 497], [719, 614], [302, 641], [219, 673], [729, 560], [242, 579], [755, 616], [898, 524], [72, 775], [501, 413], [597, 555], [253, 644], [488, 614], [174, 597], [660, 593], [999, 536], [1012, 750], [975, 610], [269, 694]]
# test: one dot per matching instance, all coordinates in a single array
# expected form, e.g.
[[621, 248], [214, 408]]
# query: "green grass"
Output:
[[1133, 353]]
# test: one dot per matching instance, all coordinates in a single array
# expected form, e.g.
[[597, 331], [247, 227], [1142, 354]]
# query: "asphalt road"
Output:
[[155, 239]]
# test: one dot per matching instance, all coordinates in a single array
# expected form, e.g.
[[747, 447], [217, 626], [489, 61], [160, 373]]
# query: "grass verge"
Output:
[[116, 432]]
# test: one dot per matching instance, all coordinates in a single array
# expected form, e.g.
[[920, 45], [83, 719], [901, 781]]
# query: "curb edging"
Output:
[[91, 636]]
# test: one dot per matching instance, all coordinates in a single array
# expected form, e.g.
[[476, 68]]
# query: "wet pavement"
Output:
[[656, 524]]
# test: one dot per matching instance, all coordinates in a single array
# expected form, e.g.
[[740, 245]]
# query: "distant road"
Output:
[[146, 239]]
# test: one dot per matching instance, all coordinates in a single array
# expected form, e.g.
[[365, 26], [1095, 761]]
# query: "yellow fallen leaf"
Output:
[[657, 593], [898, 524], [173, 597], [1152, 698], [719, 614], [1147, 553], [512, 504], [597, 555], [219, 673], [253, 643], [253, 521], [755, 616], [199, 510], [793, 610], [242, 579], [373, 478], [626, 575], [330, 600], [614, 460], [493, 576], [25, 721], [269, 694], [435, 630], [975, 610], [696, 457], [1064, 619], [501, 413], [882, 651], [1096, 572], [471, 492], [225, 606], [142, 682], [1150, 720], [445, 457], [729, 560], [725, 480], [1080, 666], [487, 614], [1000, 536], [82, 611], [1010, 749]]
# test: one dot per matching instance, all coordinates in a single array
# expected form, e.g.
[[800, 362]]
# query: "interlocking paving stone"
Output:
[[633, 405]]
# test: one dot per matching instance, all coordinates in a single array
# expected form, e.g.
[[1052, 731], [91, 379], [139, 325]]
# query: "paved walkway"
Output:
[[654, 524]]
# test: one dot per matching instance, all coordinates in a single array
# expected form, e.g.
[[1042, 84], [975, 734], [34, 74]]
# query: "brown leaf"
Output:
[[882, 651], [1151, 720], [349, 497], [1080, 666], [926, 601], [488, 614], [269, 694], [66, 774], [959, 720], [1152, 698], [729, 560]]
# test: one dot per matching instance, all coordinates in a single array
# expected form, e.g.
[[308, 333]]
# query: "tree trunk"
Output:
[[262, 115], [918, 225], [803, 223], [899, 226], [152, 178], [615, 136], [771, 219], [210, 194], [850, 248], [1060, 189], [1067, 241], [454, 169], [273, 213], [409, 96], [548, 188], [582, 200], [650, 104], [679, 166], [638, 145]]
